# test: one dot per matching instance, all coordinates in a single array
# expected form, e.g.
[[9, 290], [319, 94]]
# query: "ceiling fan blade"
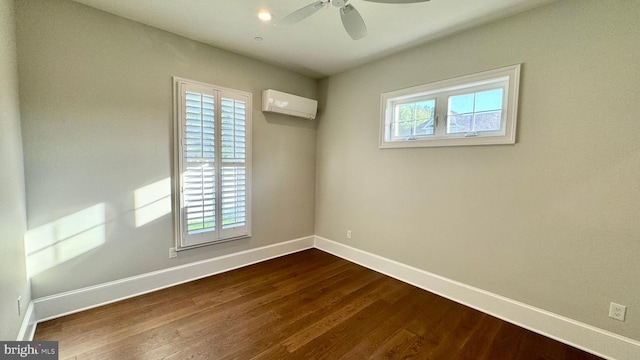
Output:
[[300, 14], [352, 22], [397, 1]]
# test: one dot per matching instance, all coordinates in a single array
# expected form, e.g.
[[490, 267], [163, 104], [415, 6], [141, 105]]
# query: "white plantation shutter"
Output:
[[198, 171], [214, 158], [233, 149]]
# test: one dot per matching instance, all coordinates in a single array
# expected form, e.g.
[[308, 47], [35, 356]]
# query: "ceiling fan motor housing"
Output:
[[339, 3]]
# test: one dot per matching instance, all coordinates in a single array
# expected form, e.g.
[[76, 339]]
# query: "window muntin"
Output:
[[477, 109], [213, 158]]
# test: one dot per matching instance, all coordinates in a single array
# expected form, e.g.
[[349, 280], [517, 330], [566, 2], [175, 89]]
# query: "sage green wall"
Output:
[[13, 221], [552, 221], [96, 100]]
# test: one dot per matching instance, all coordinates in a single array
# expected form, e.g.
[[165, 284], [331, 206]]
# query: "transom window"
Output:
[[478, 109], [213, 160]]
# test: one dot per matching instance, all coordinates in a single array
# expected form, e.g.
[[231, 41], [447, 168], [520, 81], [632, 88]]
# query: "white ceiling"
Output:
[[317, 46]]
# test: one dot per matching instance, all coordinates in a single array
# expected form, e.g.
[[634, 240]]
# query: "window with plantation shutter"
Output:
[[213, 160]]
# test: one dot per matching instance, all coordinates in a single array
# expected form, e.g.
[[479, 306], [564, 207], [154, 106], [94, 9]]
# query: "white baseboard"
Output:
[[583, 336], [29, 323], [86, 298]]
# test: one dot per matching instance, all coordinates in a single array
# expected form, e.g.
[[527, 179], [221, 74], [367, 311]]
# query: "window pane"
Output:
[[488, 121], [489, 100], [424, 117], [402, 126], [414, 119], [459, 123], [461, 104]]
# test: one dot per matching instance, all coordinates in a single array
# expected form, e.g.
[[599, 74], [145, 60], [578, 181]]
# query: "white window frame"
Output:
[[507, 78], [184, 240]]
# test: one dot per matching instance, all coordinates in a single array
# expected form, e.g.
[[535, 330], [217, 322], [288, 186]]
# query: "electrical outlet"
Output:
[[348, 234], [173, 253], [19, 305], [617, 311]]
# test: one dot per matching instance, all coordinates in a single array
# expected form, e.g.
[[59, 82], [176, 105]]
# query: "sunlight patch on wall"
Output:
[[61, 240], [152, 201]]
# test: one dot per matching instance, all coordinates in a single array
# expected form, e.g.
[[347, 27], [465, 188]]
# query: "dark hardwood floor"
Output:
[[309, 305]]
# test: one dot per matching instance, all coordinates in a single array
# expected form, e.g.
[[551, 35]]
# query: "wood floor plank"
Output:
[[274, 352], [340, 339], [390, 329], [391, 348], [302, 337], [308, 305], [477, 346], [506, 344]]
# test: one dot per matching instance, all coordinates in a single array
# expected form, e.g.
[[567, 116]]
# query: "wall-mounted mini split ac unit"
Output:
[[282, 103]]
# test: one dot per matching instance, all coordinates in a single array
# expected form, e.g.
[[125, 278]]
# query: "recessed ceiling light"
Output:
[[264, 15]]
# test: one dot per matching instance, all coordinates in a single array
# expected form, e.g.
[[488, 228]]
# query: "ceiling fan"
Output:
[[351, 19]]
